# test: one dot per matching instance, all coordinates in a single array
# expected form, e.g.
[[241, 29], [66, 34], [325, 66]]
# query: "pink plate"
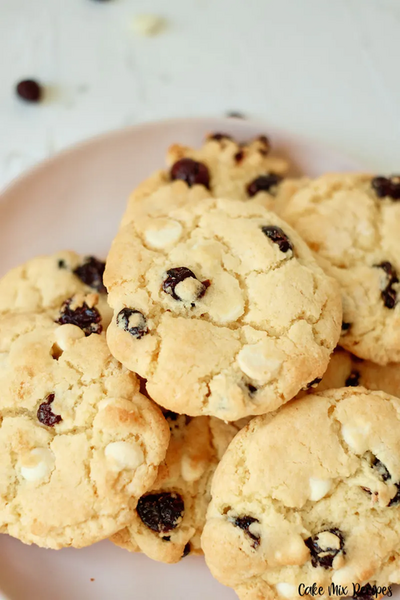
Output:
[[75, 200]]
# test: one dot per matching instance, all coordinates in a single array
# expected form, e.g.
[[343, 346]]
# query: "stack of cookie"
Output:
[[229, 288]]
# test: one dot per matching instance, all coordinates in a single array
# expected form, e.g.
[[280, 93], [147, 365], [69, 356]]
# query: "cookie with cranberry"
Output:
[[229, 169], [346, 370], [351, 222], [309, 495], [170, 517], [45, 283], [219, 304], [79, 444]]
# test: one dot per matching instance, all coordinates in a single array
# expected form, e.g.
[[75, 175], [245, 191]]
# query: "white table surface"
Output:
[[327, 69]]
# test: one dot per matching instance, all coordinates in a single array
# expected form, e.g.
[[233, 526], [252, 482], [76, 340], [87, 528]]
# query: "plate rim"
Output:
[[127, 131]]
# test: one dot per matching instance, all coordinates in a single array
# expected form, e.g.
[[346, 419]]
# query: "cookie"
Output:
[[219, 304], [310, 495], [351, 222], [215, 171], [79, 444], [170, 517], [45, 283], [229, 169], [346, 370]]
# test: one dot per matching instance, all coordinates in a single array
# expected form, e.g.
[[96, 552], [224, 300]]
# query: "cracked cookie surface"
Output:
[[44, 283], [79, 443], [310, 494], [351, 222], [219, 304], [182, 489]]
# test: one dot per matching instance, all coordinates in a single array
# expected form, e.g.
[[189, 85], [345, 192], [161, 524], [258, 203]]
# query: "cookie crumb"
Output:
[[148, 25]]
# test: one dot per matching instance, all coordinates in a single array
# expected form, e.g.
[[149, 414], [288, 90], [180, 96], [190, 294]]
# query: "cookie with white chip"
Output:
[[309, 495], [79, 444], [351, 221], [46, 283], [219, 304], [169, 519]]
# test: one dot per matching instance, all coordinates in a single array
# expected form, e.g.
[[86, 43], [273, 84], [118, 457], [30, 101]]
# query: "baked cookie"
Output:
[[45, 283], [223, 168], [346, 370], [79, 444], [310, 495], [219, 304], [169, 518], [229, 169], [352, 221]]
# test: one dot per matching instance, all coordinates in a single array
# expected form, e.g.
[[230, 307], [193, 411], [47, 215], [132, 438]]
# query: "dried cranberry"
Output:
[[387, 187], [161, 512], [85, 317], [263, 183], [170, 415], [353, 379], [244, 524], [264, 140], [278, 236], [239, 156], [314, 383], [389, 269], [91, 273], [389, 294], [62, 264], [322, 555], [252, 388], [29, 90], [186, 550], [381, 469], [346, 326], [396, 499], [176, 276], [132, 321], [191, 171], [45, 415], [219, 137]]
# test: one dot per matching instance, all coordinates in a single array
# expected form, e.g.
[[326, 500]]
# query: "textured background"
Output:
[[327, 69]]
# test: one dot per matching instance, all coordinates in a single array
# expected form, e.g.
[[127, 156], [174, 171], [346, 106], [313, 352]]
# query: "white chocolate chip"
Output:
[[124, 455], [37, 464], [163, 232], [258, 363], [327, 540], [148, 25], [356, 437], [191, 470], [287, 590], [344, 577], [65, 335], [319, 488], [189, 289]]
